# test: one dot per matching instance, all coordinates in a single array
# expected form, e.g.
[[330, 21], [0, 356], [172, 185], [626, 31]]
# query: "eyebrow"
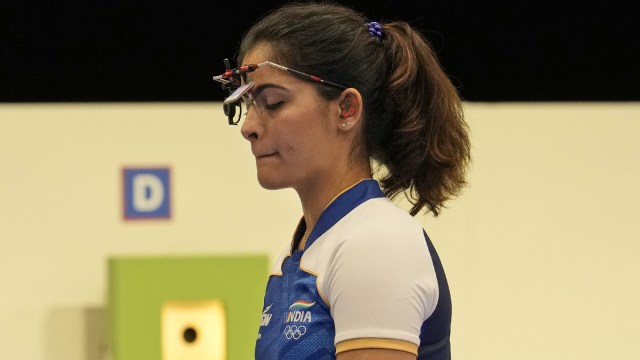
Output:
[[255, 92]]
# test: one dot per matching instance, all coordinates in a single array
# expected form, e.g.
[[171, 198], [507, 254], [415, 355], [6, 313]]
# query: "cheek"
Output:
[[301, 134], [294, 147]]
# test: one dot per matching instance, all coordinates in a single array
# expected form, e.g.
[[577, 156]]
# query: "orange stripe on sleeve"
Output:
[[376, 343]]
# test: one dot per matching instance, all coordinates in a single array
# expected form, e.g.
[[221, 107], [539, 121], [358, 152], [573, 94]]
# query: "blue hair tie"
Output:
[[375, 29]]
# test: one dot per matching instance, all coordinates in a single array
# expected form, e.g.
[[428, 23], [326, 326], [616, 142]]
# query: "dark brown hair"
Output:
[[413, 125]]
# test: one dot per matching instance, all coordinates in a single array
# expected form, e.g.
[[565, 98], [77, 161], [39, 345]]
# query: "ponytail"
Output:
[[427, 150]]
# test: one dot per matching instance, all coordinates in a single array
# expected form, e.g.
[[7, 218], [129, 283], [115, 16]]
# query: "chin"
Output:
[[271, 183]]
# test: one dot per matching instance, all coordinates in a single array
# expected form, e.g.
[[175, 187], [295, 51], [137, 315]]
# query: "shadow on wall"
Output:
[[76, 333]]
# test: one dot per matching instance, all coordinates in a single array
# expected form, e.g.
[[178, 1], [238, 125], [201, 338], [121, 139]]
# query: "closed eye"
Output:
[[274, 106]]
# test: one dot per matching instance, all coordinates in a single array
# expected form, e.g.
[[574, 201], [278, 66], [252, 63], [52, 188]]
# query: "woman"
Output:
[[361, 279]]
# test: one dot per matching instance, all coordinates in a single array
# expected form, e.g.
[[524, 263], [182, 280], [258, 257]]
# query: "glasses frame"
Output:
[[235, 80]]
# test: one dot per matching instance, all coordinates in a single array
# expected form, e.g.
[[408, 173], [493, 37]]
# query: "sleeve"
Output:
[[381, 286]]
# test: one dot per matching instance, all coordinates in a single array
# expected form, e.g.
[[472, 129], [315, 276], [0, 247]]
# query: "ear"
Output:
[[350, 111]]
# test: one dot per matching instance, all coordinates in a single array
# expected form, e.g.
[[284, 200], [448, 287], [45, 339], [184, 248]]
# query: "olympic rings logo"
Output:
[[294, 331]]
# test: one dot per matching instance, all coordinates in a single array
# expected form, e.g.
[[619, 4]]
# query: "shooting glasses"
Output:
[[235, 80]]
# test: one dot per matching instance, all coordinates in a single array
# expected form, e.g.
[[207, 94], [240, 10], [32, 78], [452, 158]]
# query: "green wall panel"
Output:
[[139, 286]]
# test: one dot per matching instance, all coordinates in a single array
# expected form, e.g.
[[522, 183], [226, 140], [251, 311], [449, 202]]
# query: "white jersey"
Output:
[[367, 278]]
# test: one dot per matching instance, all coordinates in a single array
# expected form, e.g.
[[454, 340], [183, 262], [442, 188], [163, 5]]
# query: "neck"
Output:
[[317, 197]]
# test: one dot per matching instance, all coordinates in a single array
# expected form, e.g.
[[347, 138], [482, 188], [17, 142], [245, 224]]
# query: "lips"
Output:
[[266, 155]]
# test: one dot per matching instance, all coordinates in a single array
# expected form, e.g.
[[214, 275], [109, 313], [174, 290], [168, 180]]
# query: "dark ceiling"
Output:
[[79, 51]]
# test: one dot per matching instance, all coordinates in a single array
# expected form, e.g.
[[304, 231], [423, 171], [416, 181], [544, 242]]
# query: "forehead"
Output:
[[259, 54]]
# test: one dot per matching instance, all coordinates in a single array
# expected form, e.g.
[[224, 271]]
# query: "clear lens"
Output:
[[250, 102]]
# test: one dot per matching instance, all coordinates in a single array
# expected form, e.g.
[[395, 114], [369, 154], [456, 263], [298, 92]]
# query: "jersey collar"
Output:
[[339, 207]]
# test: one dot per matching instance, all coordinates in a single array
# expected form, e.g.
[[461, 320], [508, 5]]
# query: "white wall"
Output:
[[539, 250], [542, 248]]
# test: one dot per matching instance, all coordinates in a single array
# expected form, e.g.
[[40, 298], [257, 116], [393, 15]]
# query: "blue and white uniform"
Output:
[[368, 277]]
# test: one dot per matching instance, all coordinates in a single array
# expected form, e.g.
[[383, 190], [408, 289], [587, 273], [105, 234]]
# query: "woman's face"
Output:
[[295, 138]]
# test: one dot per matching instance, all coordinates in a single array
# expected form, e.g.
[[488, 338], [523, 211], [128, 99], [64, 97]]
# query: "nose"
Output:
[[252, 127]]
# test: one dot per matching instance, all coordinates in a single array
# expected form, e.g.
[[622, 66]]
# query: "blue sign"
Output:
[[147, 193]]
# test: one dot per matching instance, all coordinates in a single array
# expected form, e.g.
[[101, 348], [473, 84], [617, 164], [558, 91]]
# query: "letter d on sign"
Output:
[[146, 193]]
